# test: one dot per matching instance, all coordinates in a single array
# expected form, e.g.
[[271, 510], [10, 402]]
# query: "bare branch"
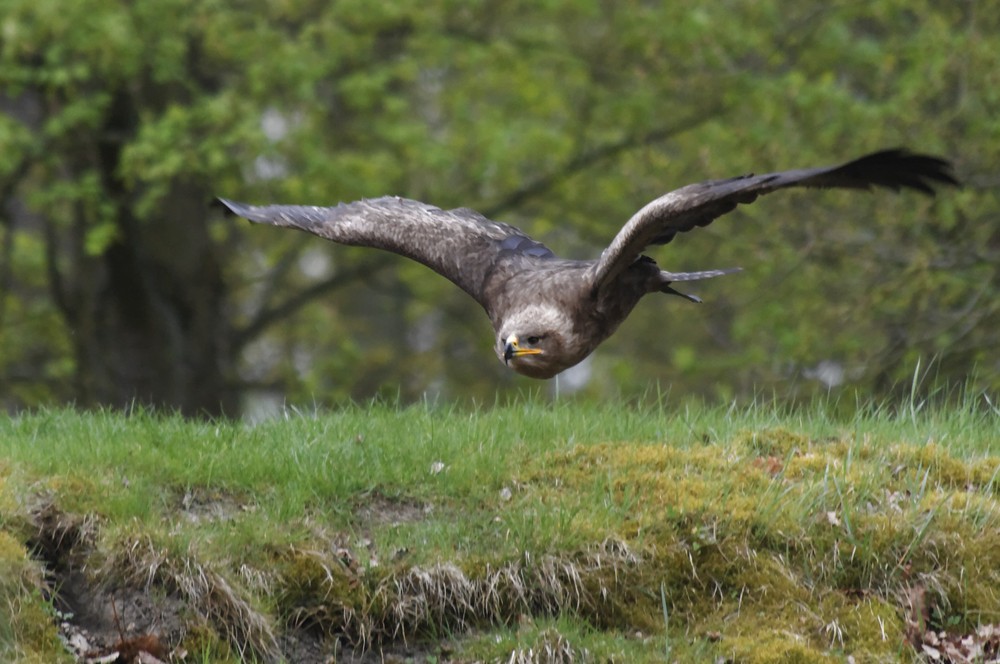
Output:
[[581, 162], [7, 252], [56, 283], [279, 312]]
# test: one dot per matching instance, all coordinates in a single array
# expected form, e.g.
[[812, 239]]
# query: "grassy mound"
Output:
[[521, 533]]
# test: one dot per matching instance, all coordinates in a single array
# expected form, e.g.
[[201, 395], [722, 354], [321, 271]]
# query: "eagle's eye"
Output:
[[533, 340]]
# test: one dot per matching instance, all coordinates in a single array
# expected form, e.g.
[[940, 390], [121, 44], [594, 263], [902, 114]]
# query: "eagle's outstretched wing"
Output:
[[699, 204], [460, 244]]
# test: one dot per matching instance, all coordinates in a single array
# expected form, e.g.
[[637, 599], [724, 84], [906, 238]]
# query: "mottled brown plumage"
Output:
[[551, 313]]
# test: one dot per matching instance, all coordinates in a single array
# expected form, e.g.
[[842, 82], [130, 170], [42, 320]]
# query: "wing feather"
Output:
[[699, 204], [461, 245]]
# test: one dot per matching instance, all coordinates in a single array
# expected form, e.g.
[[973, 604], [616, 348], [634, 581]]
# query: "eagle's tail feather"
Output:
[[666, 278], [669, 277]]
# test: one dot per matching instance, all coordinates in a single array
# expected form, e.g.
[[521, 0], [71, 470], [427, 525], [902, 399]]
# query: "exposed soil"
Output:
[[99, 623], [379, 509], [304, 646]]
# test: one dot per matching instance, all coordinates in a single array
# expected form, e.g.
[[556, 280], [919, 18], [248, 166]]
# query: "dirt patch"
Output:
[[138, 604], [118, 626], [198, 504], [375, 508], [309, 647], [95, 619]]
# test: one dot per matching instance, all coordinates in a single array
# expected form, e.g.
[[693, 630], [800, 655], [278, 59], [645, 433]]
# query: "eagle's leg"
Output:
[[670, 291]]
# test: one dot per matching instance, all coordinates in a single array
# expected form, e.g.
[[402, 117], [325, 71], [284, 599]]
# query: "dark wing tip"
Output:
[[232, 208], [259, 214], [899, 168]]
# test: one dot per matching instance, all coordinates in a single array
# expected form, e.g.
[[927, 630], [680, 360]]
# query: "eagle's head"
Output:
[[537, 342]]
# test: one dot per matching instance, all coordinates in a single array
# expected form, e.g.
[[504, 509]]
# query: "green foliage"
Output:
[[563, 118]]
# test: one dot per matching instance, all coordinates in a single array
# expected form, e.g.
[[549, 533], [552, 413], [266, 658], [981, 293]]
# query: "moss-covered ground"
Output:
[[524, 532]]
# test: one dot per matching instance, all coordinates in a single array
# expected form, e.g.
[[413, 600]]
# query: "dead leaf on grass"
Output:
[[981, 646]]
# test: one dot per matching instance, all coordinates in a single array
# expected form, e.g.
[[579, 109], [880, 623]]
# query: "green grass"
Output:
[[762, 534]]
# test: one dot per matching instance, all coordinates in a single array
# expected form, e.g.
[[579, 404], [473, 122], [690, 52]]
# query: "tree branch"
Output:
[[7, 251], [57, 285], [272, 315], [583, 161]]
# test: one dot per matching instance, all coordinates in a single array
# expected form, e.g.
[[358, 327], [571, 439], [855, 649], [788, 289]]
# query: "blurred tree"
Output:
[[120, 122]]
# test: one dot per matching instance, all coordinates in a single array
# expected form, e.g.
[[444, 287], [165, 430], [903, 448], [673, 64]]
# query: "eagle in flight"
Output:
[[550, 313]]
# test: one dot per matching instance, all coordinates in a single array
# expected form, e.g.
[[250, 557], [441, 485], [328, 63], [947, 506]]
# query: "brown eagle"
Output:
[[550, 313]]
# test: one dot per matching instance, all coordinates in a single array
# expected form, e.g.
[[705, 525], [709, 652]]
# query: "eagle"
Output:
[[550, 313]]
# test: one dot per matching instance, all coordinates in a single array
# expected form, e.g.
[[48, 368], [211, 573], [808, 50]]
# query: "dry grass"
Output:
[[138, 563], [551, 648]]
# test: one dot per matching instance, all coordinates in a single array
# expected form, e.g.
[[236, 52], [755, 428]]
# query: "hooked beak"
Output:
[[512, 349]]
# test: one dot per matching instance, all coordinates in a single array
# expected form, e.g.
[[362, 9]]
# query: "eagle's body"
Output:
[[551, 313], [555, 300]]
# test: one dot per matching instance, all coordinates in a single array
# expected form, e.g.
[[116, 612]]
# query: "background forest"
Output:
[[120, 122]]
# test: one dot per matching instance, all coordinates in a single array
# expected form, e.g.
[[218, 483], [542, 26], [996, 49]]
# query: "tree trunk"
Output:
[[158, 334], [148, 314]]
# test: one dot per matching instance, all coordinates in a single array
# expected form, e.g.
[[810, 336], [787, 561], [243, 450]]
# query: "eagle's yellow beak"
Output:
[[513, 349]]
